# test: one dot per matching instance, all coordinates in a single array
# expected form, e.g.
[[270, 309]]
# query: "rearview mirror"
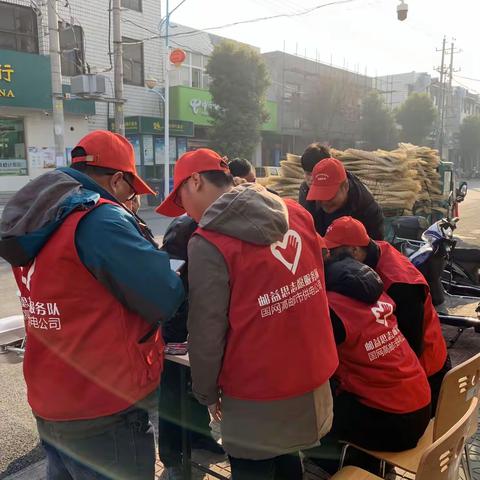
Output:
[[462, 191]]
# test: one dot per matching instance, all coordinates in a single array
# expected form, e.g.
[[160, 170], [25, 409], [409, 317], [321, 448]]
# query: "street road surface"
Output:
[[469, 225]]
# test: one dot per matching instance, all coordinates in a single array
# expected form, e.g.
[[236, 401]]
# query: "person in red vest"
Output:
[[416, 315], [381, 392], [260, 340], [93, 288]]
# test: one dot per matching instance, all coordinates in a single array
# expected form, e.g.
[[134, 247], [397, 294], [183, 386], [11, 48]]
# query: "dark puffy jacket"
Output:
[[360, 205], [354, 280], [175, 242]]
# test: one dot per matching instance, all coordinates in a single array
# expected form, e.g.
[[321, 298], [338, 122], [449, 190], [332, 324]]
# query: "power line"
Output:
[[243, 22], [127, 20], [465, 86], [468, 78]]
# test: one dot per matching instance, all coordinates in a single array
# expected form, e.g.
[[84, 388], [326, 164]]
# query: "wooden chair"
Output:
[[471, 434], [440, 461], [459, 388]]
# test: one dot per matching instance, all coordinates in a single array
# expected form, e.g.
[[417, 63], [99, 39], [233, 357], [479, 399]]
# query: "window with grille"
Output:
[[132, 5], [71, 48], [192, 72], [18, 28], [132, 62]]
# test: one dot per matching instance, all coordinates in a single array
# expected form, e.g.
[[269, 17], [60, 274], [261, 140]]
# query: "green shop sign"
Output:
[[193, 104], [25, 81], [155, 126]]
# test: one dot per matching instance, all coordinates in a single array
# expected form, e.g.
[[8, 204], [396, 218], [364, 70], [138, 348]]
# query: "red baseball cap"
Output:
[[346, 232], [111, 150], [196, 161], [327, 176]]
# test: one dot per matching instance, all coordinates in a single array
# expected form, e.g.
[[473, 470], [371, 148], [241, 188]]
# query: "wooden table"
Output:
[[187, 463]]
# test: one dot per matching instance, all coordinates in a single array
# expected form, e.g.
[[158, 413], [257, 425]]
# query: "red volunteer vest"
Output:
[[393, 267], [376, 362], [82, 358], [280, 343]]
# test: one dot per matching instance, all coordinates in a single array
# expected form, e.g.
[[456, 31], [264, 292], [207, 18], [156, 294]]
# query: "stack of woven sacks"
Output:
[[399, 180], [290, 179], [425, 161], [388, 176]]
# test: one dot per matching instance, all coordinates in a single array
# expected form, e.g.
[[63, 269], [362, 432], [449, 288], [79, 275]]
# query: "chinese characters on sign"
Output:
[[288, 296], [384, 344], [201, 107], [41, 315], [6, 73]]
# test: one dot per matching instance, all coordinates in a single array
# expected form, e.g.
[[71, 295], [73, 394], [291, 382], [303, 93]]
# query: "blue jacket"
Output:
[[109, 241]]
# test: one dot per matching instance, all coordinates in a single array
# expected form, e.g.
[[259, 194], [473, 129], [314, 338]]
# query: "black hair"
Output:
[[218, 178], [313, 154], [240, 167]]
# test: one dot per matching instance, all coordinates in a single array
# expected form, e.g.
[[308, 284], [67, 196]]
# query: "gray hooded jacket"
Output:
[[250, 429]]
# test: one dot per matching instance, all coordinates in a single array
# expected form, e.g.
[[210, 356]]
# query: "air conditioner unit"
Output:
[[88, 84]]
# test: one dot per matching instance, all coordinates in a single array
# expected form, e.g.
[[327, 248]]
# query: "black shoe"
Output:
[[208, 444]]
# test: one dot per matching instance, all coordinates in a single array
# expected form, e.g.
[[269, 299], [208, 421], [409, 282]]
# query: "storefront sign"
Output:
[[6, 72], [25, 81], [155, 126], [194, 105], [201, 107], [13, 167]]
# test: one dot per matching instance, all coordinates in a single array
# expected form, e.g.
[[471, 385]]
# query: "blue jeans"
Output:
[[118, 447]]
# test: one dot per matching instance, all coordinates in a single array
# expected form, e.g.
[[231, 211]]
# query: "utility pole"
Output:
[[56, 74], [118, 66], [446, 91], [442, 98], [166, 129], [448, 95]]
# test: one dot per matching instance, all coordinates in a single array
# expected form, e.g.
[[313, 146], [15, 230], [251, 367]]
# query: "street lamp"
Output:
[[151, 83], [166, 101], [402, 11]]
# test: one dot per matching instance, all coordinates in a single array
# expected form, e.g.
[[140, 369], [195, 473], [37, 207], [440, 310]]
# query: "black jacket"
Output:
[[360, 205], [175, 242], [351, 279]]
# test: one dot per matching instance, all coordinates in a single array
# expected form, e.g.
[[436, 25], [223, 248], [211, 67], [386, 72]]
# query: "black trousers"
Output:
[[284, 467], [369, 428], [169, 419], [435, 382]]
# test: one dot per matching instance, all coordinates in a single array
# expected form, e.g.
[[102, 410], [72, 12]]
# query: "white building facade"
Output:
[[26, 127]]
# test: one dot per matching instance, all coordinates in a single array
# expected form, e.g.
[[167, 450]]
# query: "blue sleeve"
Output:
[[112, 248]]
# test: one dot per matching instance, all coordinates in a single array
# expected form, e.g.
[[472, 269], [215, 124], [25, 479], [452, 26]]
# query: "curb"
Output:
[[36, 471]]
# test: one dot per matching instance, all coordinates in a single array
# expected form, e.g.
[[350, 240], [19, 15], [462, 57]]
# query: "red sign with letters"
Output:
[[177, 56]]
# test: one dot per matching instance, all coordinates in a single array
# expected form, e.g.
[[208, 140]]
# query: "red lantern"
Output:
[[177, 56]]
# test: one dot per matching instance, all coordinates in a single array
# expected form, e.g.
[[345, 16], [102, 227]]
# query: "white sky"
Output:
[[363, 34]]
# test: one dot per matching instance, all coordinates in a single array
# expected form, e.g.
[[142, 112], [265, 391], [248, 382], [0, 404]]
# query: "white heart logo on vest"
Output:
[[290, 239], [382, 311]]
